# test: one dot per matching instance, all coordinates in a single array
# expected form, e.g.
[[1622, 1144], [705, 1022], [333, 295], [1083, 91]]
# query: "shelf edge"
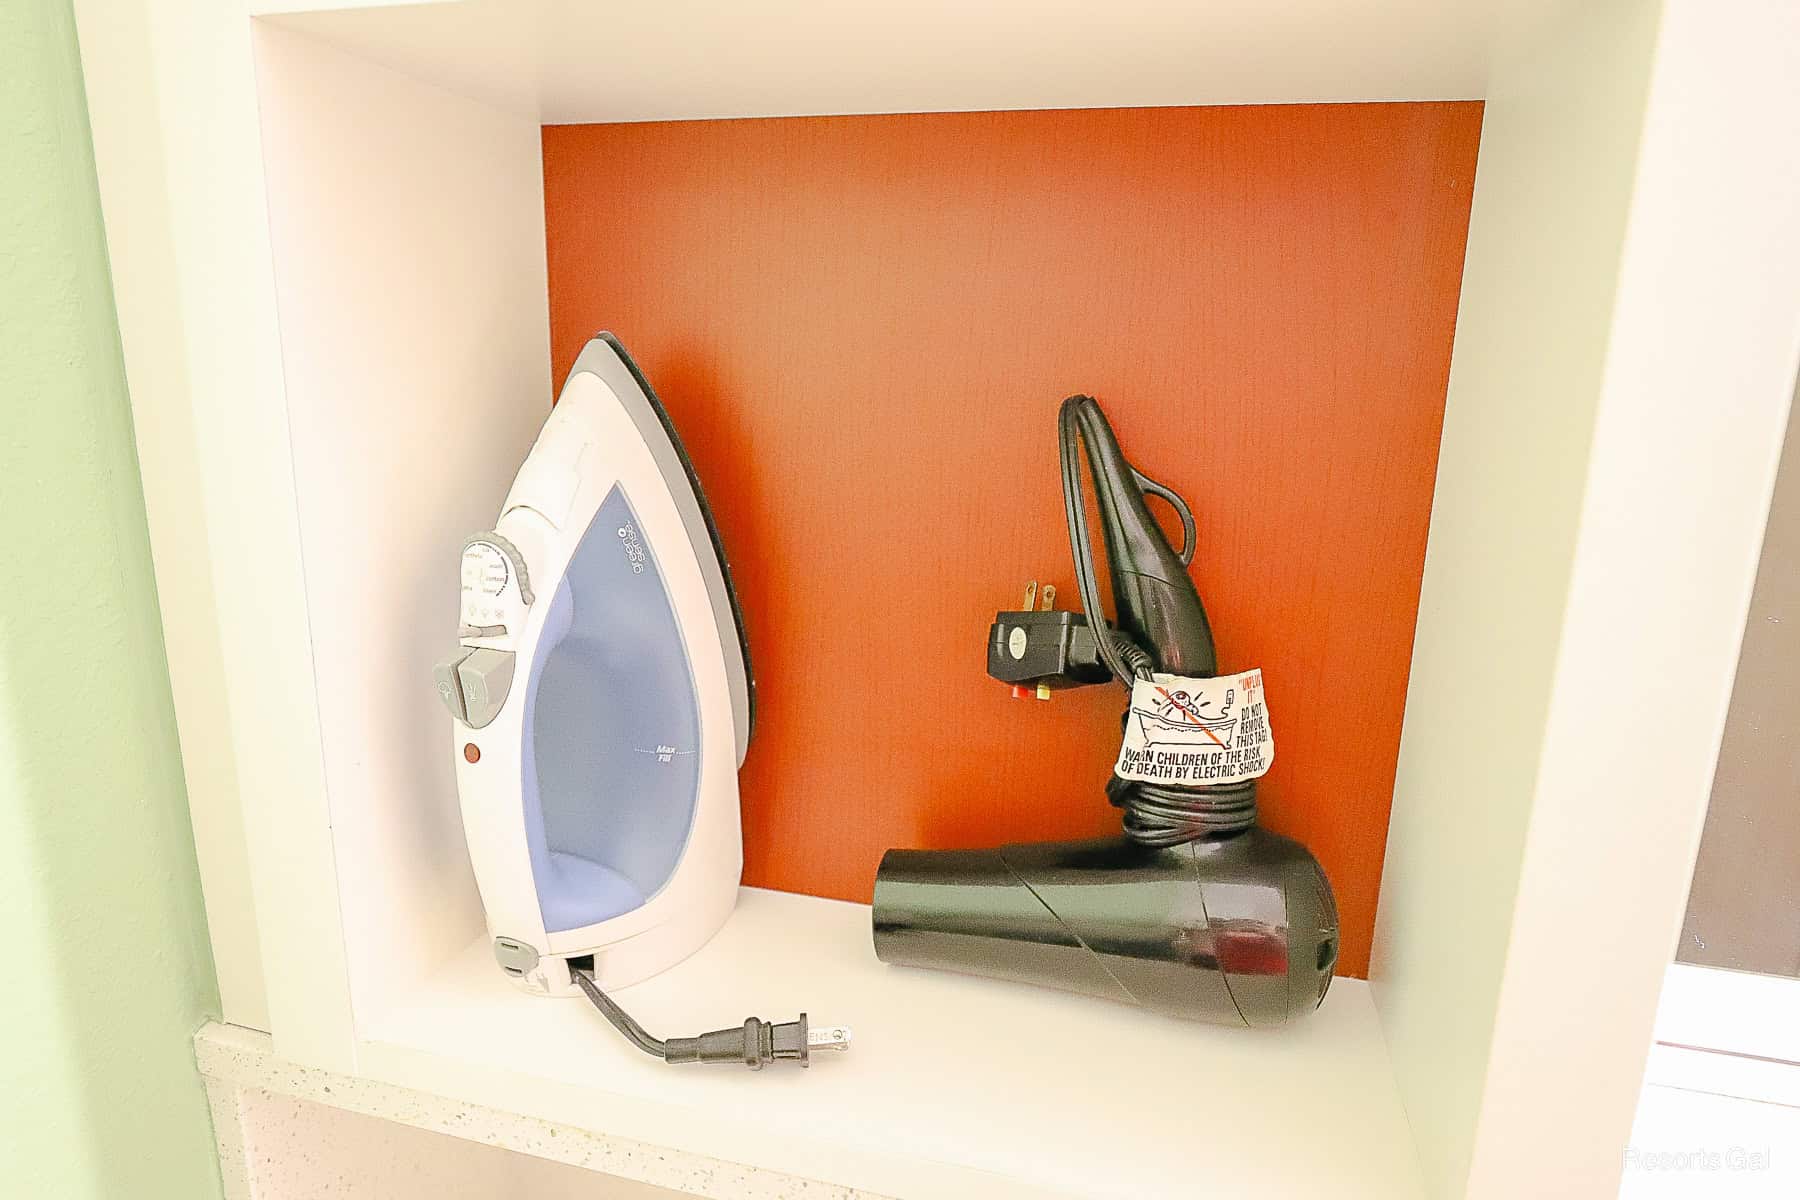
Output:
[[237, 1057]]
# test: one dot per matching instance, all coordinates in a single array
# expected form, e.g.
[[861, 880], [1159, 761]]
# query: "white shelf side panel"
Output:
[[171, 96], [1625, 358], [407, 227], [1552, 194], [682, 59], [142, 198], [954, 1087], [1695, 399]]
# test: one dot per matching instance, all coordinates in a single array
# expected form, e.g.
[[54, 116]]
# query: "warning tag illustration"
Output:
[[1185, 730]]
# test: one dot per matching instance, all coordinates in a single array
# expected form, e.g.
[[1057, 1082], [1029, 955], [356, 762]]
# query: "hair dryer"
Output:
[[1193, 911]]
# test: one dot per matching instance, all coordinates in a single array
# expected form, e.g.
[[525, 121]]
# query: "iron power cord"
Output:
[[754, 1044], [1154, 814]]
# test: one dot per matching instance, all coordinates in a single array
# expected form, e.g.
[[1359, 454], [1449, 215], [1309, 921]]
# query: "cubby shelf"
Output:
[[326, 227]]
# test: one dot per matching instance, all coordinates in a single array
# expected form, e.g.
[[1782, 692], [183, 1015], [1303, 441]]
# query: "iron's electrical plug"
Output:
[[758, 1043], [755, 1044]]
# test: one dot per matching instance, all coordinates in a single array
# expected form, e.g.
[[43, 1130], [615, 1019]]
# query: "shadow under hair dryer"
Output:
[[1194, 911]]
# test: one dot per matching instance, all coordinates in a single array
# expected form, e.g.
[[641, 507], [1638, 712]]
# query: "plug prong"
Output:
[[1048, 592], [1030, 596], [828, 1037]]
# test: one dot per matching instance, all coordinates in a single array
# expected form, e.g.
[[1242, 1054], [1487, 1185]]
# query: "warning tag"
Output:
[[1185, 730]]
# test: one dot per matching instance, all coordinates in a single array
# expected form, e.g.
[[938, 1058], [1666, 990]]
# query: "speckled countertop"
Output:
[[235, 1061]]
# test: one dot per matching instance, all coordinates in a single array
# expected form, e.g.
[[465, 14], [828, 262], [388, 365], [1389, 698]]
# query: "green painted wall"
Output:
[[107, 970]]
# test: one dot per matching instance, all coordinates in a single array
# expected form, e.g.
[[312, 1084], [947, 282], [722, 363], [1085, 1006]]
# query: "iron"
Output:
[[601, 696]]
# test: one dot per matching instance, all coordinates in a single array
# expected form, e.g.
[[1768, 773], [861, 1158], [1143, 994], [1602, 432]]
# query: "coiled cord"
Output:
[[1155, 814], [1158, 814]]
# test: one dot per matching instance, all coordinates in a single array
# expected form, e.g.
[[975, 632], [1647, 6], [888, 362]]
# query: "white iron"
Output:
[[601, 695]]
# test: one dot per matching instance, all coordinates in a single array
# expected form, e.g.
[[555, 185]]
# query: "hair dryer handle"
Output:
[[1154, 599]]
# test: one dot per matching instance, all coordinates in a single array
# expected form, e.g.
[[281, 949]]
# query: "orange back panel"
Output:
[[862, 327]]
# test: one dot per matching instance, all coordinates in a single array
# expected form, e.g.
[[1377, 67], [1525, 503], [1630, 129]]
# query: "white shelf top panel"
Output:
[[955, 1086], [675, 59]]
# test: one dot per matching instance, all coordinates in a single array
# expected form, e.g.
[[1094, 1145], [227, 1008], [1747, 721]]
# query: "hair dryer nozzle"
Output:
[[1240, 931]]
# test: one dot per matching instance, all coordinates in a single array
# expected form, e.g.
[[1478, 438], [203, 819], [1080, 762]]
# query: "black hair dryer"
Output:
[[1194, 911]]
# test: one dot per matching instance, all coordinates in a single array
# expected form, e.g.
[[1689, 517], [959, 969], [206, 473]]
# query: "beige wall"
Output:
[[1744, 911]]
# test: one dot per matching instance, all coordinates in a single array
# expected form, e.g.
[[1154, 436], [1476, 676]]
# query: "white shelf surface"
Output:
[[954, 1087]]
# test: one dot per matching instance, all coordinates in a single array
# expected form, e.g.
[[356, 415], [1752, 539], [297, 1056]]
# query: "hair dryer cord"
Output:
[[1155, 814]]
